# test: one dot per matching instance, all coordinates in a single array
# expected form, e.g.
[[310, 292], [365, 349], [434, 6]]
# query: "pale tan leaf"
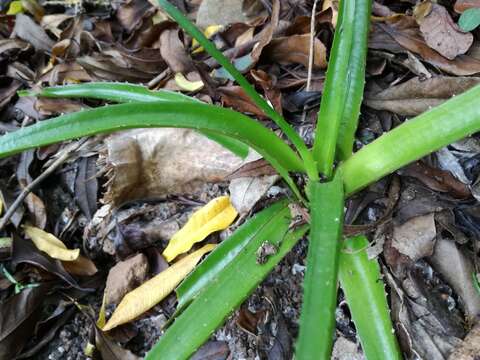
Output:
[[48, 243], [217, 215], [150, 293], [186, 85]]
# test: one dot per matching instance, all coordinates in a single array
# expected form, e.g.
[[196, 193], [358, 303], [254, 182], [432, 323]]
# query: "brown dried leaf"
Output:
[[470, 347], [457, 269], [28, 30], [400, 33], [174, 53], [252, 169], [462, 5], [18, 316], [130, 15], [295, 49], [440, 32], [416, 95], [82, 266], [124, 277], [212, 350], [436, 179], [235, 97]]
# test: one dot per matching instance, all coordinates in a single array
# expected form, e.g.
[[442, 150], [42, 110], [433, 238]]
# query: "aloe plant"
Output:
[[231, 272]]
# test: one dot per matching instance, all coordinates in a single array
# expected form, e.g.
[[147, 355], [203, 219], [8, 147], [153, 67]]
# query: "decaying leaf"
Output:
[[154, 290], [50, 244], [232, 12], [439, 30], [217, 215], [150, 163], [416, 95], [18, 314]]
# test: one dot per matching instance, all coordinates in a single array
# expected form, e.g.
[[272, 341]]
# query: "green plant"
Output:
[[204, 301]]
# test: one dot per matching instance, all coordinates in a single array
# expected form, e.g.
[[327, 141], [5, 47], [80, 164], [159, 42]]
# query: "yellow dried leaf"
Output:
[[48, 243], [217, 215], [187, 85], [15, 8], [1, 206], [208, 32], [150, 293]]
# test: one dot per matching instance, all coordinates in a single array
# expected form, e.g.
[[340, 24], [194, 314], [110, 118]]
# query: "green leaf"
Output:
[[196, 116], [227, 252], [249, 89], [227, 289], [455, 119], [355, 80], [109, 91], [361, 282], [470, 19], [124, 93], [344, 82], [317, 321]]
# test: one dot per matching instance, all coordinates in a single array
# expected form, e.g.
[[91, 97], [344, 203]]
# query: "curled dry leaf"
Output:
[[439, 30], [416, 237], [187, 85], [48, 243], [154, 290], [217, 215]]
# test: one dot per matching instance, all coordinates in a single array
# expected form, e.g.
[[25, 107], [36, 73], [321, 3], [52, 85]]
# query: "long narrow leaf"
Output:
[[110, 91], [355, 81], [157, 114], [124, 93], [453, 120], [209, 47], [317, 320], [336, 89], [360, 279], [228, 290]]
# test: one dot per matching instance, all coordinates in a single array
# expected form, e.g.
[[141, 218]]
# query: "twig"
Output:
[[310, 54], [312, 44], [27, 189]]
